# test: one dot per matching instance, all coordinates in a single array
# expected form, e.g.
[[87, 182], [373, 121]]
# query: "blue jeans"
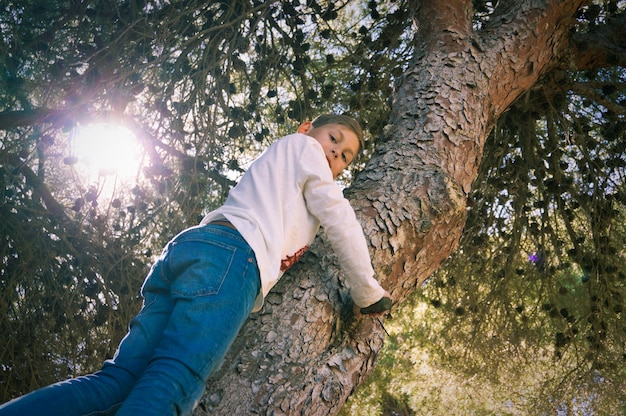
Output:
[[196, 298]]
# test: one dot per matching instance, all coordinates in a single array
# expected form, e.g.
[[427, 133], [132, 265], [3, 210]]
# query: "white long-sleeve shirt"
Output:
[[278, 207]]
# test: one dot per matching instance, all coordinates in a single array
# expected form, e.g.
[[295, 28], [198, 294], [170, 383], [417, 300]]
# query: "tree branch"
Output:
[[40, 189], [591, 92], [12, 119], [517, 62], [603, 46]]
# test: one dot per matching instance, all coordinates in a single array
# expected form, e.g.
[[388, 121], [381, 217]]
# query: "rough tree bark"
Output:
[[305, 352]]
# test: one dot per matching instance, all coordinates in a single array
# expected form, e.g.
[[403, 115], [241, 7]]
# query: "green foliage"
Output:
[[67, 292]]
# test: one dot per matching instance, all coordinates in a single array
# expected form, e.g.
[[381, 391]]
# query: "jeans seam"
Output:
[[223, 231]]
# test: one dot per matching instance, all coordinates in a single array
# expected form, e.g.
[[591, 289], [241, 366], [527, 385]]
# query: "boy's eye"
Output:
[[332, 139], [343, 156]]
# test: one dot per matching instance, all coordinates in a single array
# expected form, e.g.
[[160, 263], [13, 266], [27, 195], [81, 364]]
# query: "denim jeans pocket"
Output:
[[198, 267]]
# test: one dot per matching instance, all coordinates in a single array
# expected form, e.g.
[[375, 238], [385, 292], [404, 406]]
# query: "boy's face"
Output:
[[340, 144]]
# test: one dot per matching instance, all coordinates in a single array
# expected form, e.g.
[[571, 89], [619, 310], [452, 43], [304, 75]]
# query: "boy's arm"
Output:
[[326, 202]]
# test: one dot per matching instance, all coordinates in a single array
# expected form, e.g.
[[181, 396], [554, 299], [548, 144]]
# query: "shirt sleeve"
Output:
[[325, 201]]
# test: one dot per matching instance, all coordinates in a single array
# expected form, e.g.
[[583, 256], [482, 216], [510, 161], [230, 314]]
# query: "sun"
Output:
[[107, 149]]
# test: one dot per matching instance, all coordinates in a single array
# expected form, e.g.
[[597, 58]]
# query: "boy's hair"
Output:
[[343, 120]]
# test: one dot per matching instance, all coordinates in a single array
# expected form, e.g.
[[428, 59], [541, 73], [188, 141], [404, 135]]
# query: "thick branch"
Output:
[[522, 42], [13, 119], [452, 19]]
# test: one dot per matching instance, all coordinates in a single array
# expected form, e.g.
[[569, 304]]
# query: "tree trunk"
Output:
[[305, 352]]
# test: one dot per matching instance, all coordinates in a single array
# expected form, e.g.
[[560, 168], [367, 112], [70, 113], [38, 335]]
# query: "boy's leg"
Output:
[[102, 392], [215, 282]]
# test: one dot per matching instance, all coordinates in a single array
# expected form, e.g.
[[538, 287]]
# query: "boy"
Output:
[[209, 278]]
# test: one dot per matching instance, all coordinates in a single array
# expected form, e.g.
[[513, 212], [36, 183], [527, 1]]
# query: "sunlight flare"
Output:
[[107, 149]]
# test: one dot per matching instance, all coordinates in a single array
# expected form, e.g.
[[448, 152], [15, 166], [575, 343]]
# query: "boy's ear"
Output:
[[305, 127]]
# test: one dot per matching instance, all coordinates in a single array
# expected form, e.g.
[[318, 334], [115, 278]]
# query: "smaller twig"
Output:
[[383, 326]]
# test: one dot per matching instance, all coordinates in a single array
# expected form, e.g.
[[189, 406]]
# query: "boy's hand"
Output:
[[378, 308], [383, 305]]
